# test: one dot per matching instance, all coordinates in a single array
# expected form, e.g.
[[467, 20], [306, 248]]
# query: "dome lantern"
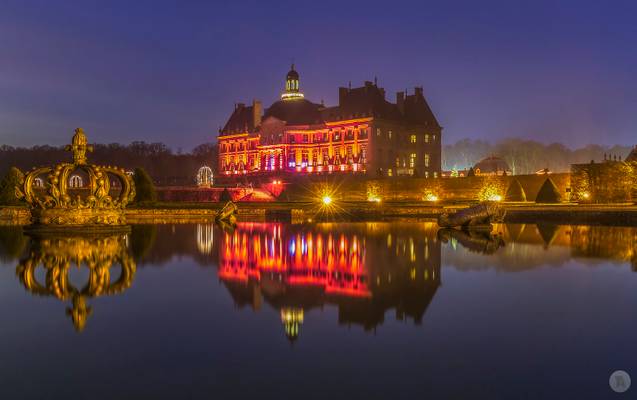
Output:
[[292, 86]]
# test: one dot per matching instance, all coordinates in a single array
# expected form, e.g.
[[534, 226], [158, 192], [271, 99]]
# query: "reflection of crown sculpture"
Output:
[[89, 206], [56, 254]]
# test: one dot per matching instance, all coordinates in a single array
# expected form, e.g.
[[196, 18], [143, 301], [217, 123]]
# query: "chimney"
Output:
[[368, 83], [342, 94], [256, 113], [418, 91], [400, 101]]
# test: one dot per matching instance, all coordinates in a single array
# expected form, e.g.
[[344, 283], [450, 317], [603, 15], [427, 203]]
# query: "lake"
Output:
[[326, 310]]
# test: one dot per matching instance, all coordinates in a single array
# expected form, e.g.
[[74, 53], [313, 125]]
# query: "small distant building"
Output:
[[492, 166], [460, 173]]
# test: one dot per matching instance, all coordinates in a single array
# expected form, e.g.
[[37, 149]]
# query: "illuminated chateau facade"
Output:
[[364, 134]]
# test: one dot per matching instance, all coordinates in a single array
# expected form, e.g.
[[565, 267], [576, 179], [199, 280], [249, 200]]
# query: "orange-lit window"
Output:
[[426, 160], [412, 138], [426, 138]]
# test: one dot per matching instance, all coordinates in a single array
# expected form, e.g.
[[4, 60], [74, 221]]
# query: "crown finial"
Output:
[[79, 147]]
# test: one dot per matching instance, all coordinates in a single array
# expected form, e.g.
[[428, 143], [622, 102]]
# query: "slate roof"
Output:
[[241, 120], [295, 112]]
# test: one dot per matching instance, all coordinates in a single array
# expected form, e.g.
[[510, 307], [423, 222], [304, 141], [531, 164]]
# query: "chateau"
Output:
[[363, 134]]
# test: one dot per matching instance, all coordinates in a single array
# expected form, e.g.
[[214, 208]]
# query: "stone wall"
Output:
[[415, 189], [195, 194]]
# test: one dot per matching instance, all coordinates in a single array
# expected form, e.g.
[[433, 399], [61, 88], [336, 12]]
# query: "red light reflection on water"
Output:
[[334, 262]]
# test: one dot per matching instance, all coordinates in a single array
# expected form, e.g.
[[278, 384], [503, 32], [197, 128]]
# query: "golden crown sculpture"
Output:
[[54, 204], [57, 254]]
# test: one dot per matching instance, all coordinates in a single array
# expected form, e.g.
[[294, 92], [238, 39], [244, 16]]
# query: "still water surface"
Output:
[[348, 310]]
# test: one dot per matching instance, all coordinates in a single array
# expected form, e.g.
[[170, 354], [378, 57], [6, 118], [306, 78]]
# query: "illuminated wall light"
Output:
[[327, 200], [494, 197], [431, 197]]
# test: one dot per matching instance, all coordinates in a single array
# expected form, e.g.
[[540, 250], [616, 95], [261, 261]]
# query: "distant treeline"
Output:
[[165, 167], [169, 168], [526, 156]]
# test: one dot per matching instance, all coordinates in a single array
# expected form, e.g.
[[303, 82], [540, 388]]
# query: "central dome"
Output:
[[297, 112]]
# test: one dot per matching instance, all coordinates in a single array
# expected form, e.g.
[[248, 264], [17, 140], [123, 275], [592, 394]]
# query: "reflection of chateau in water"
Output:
[[363, 269], [57, 255]]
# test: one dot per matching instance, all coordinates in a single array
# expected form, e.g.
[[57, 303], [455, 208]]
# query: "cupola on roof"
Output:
[[292, 86]]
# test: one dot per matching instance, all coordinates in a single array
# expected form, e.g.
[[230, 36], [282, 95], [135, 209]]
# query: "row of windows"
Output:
[[291, 85], [324, 137], [325, 153], [412, 160], [252, 145], [413, 138], [390, 172]]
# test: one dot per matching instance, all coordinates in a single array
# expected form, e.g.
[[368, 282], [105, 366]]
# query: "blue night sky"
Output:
[[171, 70]]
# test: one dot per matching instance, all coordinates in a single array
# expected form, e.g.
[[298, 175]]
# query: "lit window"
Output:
[[389, 135], [413, 139], [434, 138], [426, 174], [426, 138], [389, 172], [398, 161], [412, 160], [378, 132], [426, 160], [435, 174]]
